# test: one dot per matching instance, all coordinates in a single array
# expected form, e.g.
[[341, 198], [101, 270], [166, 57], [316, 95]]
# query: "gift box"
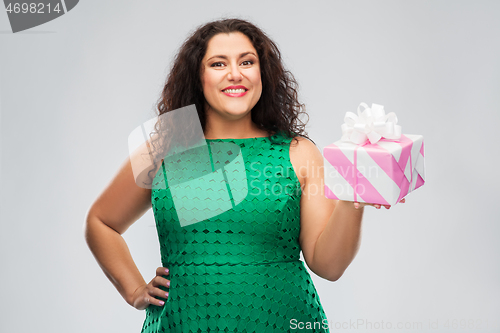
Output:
[[373, 162]]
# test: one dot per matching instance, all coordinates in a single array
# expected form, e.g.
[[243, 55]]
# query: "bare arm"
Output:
[[330, 229], [120, 204], [338, 243]]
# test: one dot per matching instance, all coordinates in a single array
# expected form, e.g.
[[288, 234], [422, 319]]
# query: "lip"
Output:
[[235, 94], [235, 87]]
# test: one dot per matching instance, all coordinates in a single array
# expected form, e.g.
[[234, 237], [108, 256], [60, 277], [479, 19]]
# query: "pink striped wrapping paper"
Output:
[[380, 173]]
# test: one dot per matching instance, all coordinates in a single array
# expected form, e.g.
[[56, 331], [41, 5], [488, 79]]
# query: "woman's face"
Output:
[[230, 76]]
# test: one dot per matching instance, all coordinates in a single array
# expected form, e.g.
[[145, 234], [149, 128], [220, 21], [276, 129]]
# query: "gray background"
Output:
[[73, 89]]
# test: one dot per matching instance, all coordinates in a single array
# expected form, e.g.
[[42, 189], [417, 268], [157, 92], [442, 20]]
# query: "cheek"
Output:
[[209, 83], [205, 86], [258, 81], [257, 78]]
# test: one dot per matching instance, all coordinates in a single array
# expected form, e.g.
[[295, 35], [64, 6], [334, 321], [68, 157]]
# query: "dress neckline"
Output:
[[244, 139]]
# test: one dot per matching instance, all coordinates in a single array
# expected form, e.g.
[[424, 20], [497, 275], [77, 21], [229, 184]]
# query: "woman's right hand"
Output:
[[146, 294]]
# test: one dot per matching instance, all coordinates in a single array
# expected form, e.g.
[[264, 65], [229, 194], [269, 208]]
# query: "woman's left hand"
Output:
[[358, 205]]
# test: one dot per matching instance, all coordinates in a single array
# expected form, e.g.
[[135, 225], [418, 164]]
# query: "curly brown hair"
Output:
[[278, 109]]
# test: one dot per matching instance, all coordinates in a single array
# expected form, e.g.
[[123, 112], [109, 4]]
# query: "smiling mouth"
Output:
[[234, 91]]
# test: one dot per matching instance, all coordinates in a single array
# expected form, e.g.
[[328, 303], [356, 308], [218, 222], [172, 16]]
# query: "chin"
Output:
[[237, 113], [238, 110]]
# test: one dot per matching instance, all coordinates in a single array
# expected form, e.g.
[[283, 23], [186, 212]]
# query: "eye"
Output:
[[217, 64], [247, 62]]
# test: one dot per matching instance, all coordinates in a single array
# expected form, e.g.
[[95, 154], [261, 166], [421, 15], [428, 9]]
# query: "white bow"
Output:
[[370, 124]]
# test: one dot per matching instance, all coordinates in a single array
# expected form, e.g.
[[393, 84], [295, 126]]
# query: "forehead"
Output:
[[231, 44]]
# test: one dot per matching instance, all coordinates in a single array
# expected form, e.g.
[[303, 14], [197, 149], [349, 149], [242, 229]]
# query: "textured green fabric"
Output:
[[240, 269]]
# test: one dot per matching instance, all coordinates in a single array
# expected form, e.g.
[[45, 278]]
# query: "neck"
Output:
[[223, 128]]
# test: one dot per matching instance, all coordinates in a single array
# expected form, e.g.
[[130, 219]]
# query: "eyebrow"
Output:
[[225, 57]]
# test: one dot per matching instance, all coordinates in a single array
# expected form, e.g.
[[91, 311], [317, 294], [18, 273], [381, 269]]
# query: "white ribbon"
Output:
[[370, 124]]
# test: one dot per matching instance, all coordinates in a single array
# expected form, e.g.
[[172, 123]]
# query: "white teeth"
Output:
[[234, 91]]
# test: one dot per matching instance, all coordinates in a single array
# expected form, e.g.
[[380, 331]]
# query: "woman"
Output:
[[238, 270]]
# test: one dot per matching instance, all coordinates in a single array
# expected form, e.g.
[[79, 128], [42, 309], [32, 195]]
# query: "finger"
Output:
[[356, 205], [153, 292], [160, 281], [377, 206], [162, 271], [403, 200], [158, 292], [151, 300], [387, 206]]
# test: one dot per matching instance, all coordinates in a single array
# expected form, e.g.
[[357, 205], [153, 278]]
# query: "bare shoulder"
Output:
[[304, 155], [304, 146], [143, 165]]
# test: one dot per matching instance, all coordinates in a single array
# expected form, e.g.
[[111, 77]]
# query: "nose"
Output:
[[234, 74]]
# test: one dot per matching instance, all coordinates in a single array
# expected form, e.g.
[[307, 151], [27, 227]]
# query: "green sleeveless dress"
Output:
[[228, 221]]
